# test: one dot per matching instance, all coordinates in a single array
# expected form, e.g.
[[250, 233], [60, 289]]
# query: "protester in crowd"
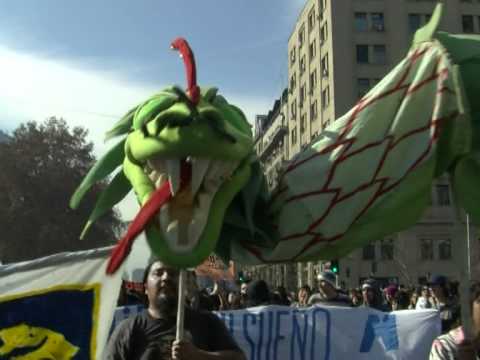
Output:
[[201, 301], [425, 299], [400, 301], [454, 345], [442, 301], [372, 296], [355, 297], [258, 293], [328, 294], [413, 300], [281, 293], [243, 294], [234, 301], [302, 297], [150, 335], [390, 296], [195, 298], [218, 297], [243, 288]]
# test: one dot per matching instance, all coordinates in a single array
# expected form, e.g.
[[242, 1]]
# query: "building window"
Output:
[[313, 81], [292, 56], [303, 123], [369, 252], [426, 249], [293, 109], [445, 249], [312, 49], [362, 54], [414, 22], [301, 36], [386, 249], [324, 66], [302, 64], [325, 97], [323, 33], [293, 82], [443, 195], [361, 23], [378, 22], [294, 136], [467, 24], [379, 55], [363, 85], [311, 20], [303, 94], [313, 111], [323, 5]]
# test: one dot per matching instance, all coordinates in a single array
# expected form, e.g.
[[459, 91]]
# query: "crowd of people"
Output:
[[439, 294]]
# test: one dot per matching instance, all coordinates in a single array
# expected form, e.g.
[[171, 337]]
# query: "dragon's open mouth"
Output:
[[192, 183]]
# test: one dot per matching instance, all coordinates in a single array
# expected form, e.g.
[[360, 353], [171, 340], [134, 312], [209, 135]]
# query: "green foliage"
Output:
[[41, 166]]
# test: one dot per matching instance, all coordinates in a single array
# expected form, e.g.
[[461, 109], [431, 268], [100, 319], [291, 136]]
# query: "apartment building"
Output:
[[337, 51]]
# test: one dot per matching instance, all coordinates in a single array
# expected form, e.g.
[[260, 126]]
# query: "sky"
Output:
[[90, 61]]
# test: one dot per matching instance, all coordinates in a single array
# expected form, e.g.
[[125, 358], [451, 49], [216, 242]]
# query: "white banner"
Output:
[[325, 333], [328, 333], [59, 306]]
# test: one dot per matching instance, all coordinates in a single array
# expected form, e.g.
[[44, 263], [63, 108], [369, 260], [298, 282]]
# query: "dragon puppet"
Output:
[[189, 157]]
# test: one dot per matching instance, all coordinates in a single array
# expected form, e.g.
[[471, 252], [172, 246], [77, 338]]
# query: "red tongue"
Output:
[[160, 197]]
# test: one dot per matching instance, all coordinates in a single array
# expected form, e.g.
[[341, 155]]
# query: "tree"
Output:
[[40, 167]]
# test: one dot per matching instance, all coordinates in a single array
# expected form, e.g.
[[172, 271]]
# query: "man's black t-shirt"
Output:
[[144, 338]]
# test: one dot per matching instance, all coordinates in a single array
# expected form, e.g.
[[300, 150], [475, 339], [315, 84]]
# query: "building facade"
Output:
[[337, 51]]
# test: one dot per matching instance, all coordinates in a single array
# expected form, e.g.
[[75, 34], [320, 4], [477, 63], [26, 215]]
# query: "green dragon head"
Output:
[[186, 155]]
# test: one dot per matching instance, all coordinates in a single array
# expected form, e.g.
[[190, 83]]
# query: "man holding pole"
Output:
[[151, 334]]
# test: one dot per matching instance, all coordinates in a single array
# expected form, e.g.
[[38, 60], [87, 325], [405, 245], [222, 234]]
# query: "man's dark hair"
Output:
[[147, 271], [144, 298]]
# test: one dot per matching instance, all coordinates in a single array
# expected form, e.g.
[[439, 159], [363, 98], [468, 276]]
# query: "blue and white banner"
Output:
[[328, 333], [57, 307]]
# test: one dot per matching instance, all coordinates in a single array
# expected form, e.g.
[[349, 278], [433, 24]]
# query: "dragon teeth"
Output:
[[199, 169], [173, 169]]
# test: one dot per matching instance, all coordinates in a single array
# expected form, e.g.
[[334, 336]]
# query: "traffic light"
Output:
[[334, 266], [241, 276]]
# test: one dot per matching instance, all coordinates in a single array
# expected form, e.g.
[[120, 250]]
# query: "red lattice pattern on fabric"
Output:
[[347, 143]]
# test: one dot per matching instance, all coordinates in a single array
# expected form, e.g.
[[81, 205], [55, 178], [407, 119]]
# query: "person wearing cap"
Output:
[[328, 293], [442, 301], [372, 296]]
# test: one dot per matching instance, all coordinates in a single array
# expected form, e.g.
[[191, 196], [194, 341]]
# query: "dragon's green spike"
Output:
[[427, 32], [105, 166], [123, 126], [152, 108], [118, 188], [209, 93]]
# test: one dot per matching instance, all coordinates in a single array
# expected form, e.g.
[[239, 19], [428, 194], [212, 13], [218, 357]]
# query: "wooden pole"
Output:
[[465, 285], [181, 304]]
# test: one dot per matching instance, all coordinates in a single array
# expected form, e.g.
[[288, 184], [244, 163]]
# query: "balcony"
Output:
[[272, 141]]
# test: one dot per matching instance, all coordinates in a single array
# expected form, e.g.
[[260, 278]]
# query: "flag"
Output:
[[57, 307], [214, 268]]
